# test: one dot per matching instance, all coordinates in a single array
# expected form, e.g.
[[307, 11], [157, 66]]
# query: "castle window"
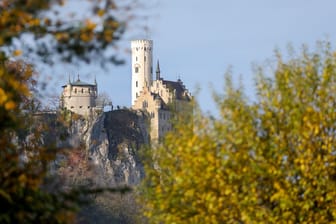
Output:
[[136, 58], [136, 84], [136, 69], [82, 90], [145, 48], [80, 106], [88, 107], [72, 107], [145, 58], [89, 90], [75, 90], [136, 95]]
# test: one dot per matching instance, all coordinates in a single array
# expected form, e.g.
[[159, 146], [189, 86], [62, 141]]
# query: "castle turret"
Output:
[[79, 97], [158, 70], [142, 67]]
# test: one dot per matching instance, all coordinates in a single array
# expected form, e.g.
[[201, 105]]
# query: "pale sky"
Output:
[[198, 40]]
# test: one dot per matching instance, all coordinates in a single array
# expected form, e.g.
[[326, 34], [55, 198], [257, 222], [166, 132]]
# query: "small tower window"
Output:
[[136, 84], [136, 69], [136, 58], [145, 48], [75, 90], [82, 90], [145, 58]]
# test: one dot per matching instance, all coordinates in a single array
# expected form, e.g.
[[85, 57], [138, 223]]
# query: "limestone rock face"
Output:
[[113, 140]]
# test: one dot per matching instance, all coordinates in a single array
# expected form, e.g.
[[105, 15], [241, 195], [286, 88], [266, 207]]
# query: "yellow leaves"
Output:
[[275, 165], [3, 97], [62, 36], [22, 179], [279, 194], [34, 22], [5, 100], [90, 25], [17, 53], [101, 12], [10, 105]]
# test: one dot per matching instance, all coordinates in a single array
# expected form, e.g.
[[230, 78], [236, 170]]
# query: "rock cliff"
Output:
[[112, 141]]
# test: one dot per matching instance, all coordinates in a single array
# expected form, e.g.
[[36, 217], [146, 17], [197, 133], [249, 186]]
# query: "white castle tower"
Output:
[[142, 67]]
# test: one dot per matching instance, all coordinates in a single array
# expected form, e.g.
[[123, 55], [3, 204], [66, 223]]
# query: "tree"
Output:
[[24, 159], [104, 100], [49, 28], [268, 161]]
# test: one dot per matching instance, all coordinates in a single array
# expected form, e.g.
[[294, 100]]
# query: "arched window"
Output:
[[75, 90], [136, 69]]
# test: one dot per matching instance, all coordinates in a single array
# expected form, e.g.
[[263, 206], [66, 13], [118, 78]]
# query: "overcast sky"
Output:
[[198, 40]]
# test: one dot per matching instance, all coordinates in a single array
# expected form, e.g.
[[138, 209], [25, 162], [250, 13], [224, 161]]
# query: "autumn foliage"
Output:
[[59, 30], [268, 161], [39, 30]]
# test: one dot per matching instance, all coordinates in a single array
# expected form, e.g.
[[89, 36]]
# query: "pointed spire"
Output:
[[95, 80], [78, 78], [158, 70], [69, 81]]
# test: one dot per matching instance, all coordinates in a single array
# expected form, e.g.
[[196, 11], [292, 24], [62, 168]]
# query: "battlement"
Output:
[[142, 44]]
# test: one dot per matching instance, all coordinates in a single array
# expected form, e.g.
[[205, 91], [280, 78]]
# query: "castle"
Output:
[[79, 97], [158, 98]]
